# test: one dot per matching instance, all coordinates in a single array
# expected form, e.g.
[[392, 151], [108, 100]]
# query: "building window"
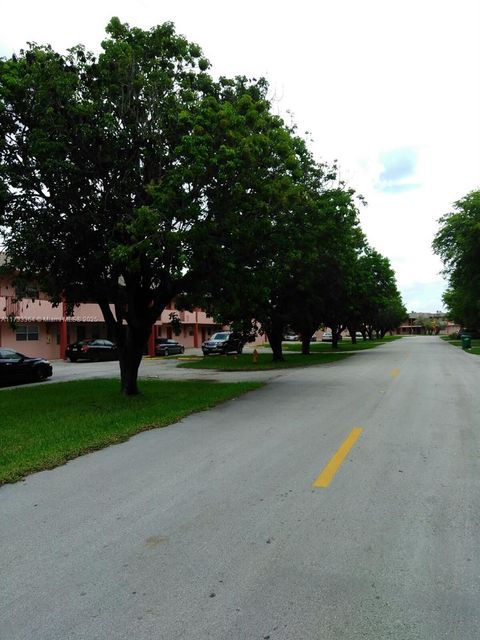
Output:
[[26, 332]]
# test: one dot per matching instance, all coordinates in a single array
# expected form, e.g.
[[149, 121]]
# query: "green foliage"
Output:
[[457, 242], [119, 174], [378, 298], [134, 178]]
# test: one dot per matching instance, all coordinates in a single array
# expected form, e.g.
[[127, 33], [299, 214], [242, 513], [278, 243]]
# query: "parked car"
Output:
[[98, 349], [16, 367], [327, 337], [223, 342], [291, 337], [167, 347]]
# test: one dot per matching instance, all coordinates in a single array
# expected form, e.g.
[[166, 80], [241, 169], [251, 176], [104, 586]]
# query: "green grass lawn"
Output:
[[46, 425], [245, 362], [475, 350], [343, 345]]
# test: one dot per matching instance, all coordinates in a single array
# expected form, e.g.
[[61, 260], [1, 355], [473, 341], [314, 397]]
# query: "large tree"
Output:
[[277, 263], [457, 242], [323, 273], [257, 255], [113, 168], [377, 305], [288, 269]]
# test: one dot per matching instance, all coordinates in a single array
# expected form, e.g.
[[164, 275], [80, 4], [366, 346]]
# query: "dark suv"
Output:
[[223, 342]]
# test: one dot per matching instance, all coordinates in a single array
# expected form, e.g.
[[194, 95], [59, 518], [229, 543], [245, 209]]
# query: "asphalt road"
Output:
[[213, 528]]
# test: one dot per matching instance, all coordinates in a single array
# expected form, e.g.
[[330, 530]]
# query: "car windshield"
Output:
[[9, 354], [220, 336]]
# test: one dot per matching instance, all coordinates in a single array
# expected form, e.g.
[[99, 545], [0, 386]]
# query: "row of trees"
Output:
[[457, 242], [134, 178]]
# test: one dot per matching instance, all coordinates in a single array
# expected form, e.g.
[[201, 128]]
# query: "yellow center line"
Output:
[[395, 373], [325, 478]]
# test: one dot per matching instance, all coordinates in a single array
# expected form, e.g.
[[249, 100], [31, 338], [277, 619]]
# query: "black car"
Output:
[[15, 367], [223, 342], [167, 347], [98, 349]]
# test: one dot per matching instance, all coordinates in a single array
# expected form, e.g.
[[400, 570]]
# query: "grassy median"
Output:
[[474, 350], [44, 426], [245, 362], [343, 345]]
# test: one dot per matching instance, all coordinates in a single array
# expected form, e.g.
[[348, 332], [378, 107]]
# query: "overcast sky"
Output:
[[389, 88]]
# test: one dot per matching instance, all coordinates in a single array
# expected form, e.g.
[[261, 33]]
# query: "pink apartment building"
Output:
[[34, 327]]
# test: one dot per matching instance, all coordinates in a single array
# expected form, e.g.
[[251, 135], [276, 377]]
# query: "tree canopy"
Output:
[[133, 177], [112, 168], [457, 242]]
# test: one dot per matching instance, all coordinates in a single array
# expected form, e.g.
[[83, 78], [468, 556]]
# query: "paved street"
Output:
[[212, 529]]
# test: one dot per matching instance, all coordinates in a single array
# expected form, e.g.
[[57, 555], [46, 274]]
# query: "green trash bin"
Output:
[[466, 342]]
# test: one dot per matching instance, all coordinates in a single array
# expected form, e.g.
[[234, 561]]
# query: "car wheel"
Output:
[[39, 374], [72, 359], [239, 349], [205, 353], [166, 353], [182, 350]]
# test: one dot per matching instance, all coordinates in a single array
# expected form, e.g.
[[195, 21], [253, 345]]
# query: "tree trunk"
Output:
[[307, 329], [275, 336], [131, 342], [130, 357], [306, 344], [336, 331], [353, 334]]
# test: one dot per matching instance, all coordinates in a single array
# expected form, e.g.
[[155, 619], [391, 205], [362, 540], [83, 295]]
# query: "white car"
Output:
[[327, 337]]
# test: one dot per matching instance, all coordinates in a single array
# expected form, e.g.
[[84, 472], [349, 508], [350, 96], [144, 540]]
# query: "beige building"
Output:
[[423, 323]]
